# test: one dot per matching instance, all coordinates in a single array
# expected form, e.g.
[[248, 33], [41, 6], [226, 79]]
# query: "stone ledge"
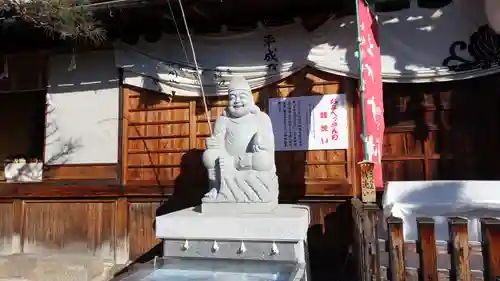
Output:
[[285, 223]]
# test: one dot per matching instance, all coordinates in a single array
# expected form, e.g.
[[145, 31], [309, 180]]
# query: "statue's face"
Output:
[[240, 103]]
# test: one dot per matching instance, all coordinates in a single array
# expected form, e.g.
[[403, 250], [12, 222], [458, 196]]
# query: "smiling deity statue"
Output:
[[240, 157]]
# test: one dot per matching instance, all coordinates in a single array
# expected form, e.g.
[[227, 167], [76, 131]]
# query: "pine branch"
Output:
[[66, 18]]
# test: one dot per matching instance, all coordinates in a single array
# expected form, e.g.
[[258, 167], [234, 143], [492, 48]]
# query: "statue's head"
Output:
[[240, 98]]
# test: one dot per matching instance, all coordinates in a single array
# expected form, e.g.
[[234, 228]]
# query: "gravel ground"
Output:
[[58, 267]]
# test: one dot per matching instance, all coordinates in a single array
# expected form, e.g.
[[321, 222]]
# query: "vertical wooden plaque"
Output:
[[368, 189]]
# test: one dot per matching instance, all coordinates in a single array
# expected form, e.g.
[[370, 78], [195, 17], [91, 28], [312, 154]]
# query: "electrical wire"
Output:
[[178, 31], [109, 3], [207, 114]]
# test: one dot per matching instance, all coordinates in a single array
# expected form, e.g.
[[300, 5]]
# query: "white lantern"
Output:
[[492, 9]]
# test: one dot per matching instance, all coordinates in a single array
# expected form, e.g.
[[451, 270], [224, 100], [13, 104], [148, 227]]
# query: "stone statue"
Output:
[[240, 157]]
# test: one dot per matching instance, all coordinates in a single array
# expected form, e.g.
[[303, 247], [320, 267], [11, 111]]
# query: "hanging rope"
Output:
[[207, 113]]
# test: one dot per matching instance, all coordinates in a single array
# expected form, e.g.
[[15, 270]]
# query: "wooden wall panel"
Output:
[[7, 228], [82, 172], [167, 137], [123, 229], [158, 138], [70, 226], [141, 230]]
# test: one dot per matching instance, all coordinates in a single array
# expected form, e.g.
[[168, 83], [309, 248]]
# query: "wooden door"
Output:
[[442, 131]]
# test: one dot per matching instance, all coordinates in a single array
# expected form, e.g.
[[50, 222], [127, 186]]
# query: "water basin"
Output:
[[215, 270]]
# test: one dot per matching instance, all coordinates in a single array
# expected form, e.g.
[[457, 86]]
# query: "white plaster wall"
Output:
[[83, 110]]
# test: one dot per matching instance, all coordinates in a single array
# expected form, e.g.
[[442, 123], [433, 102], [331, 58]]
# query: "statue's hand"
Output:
[[213, 142], [243, 162], [258, 144]]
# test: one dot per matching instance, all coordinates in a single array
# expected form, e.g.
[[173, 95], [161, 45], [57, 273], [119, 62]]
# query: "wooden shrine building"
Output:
[[120, 129]]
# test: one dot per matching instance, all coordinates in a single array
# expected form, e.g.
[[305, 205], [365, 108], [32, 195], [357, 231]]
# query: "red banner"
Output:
[[371, 85]]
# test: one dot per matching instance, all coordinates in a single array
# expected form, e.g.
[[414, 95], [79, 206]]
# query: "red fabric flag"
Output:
[[371, 82]]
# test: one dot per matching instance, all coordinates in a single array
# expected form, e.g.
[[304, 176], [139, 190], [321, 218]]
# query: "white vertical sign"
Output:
[[309, 122]]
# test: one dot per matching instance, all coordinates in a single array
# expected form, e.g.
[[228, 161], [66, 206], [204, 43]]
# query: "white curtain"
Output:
[[414, 43], [263, 56]]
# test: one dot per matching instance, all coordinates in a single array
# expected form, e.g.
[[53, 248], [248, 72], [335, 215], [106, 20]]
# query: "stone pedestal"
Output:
[[276, 236]]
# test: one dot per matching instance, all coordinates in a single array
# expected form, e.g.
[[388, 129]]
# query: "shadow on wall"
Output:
[[166, 137], [330, 257], [66, 146], [189, 189]]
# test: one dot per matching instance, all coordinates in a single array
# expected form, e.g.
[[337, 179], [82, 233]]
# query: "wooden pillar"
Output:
[[427, 251], [490, 231], [124, 98], [396, 250], [366, 243], [18, 226], [122, 241], [459, 250]]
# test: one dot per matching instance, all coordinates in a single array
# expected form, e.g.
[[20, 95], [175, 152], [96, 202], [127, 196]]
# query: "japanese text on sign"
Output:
[[271, 56], [309, 122]]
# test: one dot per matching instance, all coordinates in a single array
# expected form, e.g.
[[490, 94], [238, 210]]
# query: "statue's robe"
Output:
[[250, 137]]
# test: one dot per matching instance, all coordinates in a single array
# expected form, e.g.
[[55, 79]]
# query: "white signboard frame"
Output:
[[310, 122]]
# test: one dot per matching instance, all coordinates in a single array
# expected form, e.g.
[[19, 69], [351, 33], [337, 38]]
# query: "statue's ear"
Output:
[[224, 113]]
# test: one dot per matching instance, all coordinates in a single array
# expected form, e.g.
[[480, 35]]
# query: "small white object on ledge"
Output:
[[185, 246], [23, 172], [215, 247], [242, 248], [274, 249]]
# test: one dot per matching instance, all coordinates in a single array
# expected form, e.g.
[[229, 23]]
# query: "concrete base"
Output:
[[284, 223], [225, 208]]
